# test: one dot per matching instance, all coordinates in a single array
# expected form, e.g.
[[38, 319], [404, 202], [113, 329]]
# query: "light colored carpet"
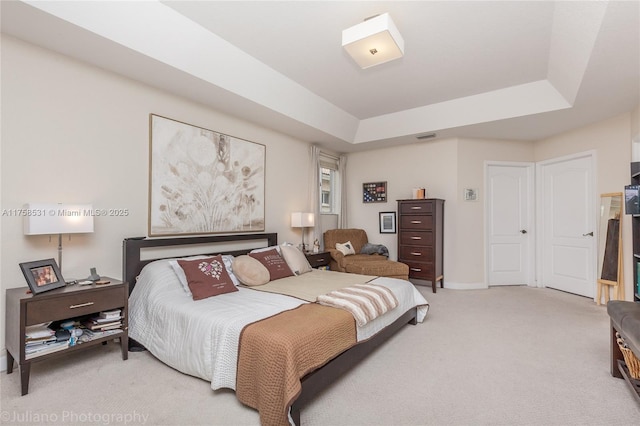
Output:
[[503, 356]]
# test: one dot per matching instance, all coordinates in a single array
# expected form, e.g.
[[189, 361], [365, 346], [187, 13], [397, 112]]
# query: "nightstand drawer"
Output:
[[318, 259], [74, 304]]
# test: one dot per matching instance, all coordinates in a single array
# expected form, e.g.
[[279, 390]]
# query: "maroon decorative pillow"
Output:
[[207, 277], [276, 265]]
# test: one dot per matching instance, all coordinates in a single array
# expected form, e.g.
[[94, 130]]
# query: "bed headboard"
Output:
[[132, 249]]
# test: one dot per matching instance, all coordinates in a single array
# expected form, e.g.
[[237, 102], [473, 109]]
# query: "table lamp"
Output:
[[302, 220], [51, 219]]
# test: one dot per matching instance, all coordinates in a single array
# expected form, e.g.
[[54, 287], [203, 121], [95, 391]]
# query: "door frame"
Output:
[[531, 174], [592, 155]]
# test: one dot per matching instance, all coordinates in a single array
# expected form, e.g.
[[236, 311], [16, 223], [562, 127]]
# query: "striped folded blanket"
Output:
[[365, 301]]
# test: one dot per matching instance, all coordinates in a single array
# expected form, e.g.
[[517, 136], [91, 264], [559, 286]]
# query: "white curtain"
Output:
[[314, 195], [342, 173]]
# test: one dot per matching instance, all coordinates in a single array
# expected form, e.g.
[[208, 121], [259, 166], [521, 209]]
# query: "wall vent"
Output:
[[426, 136]]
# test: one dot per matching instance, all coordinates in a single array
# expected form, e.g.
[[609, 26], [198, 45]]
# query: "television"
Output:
[[632, 199]]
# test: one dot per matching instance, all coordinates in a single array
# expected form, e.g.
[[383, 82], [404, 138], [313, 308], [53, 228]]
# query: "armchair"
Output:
[[366, 264]]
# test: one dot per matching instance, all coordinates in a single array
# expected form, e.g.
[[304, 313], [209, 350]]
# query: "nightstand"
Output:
[[319, 259], [24, 309]]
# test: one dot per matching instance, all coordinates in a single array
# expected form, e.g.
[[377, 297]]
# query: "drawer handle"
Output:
[[416, 221], [416, 208], [416, 253], [81, 305], [416, 238], [416, 269]]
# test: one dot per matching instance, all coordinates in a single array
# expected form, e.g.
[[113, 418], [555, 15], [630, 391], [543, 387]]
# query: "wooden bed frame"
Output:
[[313, 383]]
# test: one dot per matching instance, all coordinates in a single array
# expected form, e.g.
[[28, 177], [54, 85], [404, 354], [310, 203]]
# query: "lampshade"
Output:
[[58, 219], [302, 220], [374, 41]]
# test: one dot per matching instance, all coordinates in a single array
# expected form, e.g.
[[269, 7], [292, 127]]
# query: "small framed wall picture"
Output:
[[42, 275], [374, 192], [387, 222], [470, 194]]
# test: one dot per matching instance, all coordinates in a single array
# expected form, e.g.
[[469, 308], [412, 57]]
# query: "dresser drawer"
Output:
[[419, 270], [75, 304], [416, 253], [416, 207], [416, 238], [416, 222]]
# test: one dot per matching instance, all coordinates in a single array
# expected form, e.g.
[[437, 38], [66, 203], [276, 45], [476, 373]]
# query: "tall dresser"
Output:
[[420, 238]]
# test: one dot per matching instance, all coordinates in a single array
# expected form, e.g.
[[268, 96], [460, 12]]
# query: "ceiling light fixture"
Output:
[[374, 41]]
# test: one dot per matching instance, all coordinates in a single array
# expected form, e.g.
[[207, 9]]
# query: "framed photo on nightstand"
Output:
[[42, 275]]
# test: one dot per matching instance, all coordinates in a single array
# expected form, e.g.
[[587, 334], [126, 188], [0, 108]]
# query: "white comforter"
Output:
[[200, 338]]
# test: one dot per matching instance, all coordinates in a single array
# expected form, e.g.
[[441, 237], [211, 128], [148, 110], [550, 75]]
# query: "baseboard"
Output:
[[3, 363], [454, 285], [466, 286]]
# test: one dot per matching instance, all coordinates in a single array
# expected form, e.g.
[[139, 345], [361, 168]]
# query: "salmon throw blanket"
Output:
[[365, 302], [275, 353]]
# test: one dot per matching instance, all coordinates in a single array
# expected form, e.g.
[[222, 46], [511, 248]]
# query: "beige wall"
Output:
[[444, 168], [77, 134], [431, 165], [635, 134], [635, 124]]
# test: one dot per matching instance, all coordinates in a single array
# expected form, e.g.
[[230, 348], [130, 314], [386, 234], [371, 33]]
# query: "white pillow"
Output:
[[296, 260], [227, 259], [258, 250], [346, 248]]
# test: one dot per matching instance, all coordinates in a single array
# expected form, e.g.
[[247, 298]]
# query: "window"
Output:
[[329, 185], [327, 190]]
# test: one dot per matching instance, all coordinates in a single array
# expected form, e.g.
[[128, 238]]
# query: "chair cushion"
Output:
[[360, 258], [380, 268]]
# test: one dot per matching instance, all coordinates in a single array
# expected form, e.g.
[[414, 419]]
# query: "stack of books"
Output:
[[106, 320], [41, 340]]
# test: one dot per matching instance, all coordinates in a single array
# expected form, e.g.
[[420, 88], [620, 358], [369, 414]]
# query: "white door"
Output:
[[509, 189], [568, 223]]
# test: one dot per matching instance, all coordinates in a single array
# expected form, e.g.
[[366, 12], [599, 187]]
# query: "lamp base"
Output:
[[303, 246]]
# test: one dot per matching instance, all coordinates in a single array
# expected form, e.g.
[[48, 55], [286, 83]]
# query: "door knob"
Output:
[[588, 234], [523, 231]]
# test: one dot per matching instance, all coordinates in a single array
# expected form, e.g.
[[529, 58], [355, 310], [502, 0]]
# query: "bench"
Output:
[[625, 320]]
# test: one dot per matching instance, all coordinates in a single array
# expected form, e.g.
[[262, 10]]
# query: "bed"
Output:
[[203, 338]]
